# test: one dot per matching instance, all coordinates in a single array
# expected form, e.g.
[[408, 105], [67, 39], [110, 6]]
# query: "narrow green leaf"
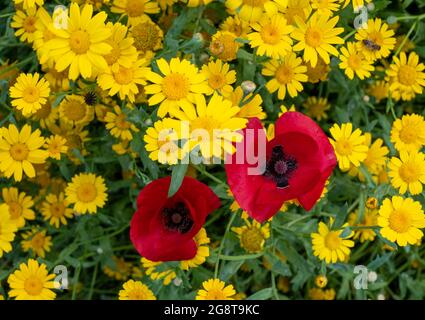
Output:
[[177, 176]]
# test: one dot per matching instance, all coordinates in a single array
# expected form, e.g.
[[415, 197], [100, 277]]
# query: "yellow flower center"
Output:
[[19, 152], [216, 81], [79, 42], [408, 134], [86, 192], [284, 74], [137, 295], [206, 123], [37, 242], [146, 36], [57, 209], [407, 75], [44, 111], [252, 239], [409, 172], [114, 55], [313, 37], [317, 109], [254, 3], [121, 122], [175, 86], [123, 76], [215, 294], [270, 34], [15, 210], [33, 286], [399, 221], [344, 147], [332, 240], [31, 94], [376, 37], [75, 110], [135, 8], [29, 24], [354, 61]]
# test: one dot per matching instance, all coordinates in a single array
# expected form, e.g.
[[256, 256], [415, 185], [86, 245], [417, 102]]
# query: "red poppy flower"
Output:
[[299, 160], [162, 229]]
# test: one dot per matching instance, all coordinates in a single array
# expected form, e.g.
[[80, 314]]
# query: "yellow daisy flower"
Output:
[[401, 220], [58, 80], [375, 40], [20, 206], [117, 124], [135, 10], [407, 172], [124, 81], [25, 23], [31, 282], [325, 7], [158, 271], [297, 8], [20, 150], [136, 290], [406, 76], [123, 53], [55, 145], [36, 241], [319, 72], [81, 46], [321, 281], [287, 73], [316, 37], [224, 45], [43, 34], [215, 289], [328, 245], [203, 251], [119, 269], [271, 36], [74, 110], [369, 219], [86, 192], [376, 158], [321, 294], [55, 210], [252, 235], [197, 3], [219, 77], [161, 143], [29, 93], [212, 127], [27, 4], [379, 90], [316, 107], [353, 62], [254, 10], [147, 37], [250, 104], [348, 145], [408, 133], [46, 115], [179, 83], [240, 28], [8, 229]]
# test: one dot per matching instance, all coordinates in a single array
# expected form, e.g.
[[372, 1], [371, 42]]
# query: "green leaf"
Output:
[[340, 217], [177, 176], [263, 294]]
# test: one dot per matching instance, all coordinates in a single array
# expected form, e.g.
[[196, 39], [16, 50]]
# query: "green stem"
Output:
[[93, 281], [220, 249], [406, 37], [209, 175], [241, 257], [76, 278]]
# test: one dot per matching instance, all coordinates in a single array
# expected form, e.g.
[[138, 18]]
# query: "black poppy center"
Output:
[[177, 218], [90, 98], [280, 167]]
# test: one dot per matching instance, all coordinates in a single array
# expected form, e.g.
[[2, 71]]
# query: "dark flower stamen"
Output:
[[177, 218], [280, 167], [90, 98]]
